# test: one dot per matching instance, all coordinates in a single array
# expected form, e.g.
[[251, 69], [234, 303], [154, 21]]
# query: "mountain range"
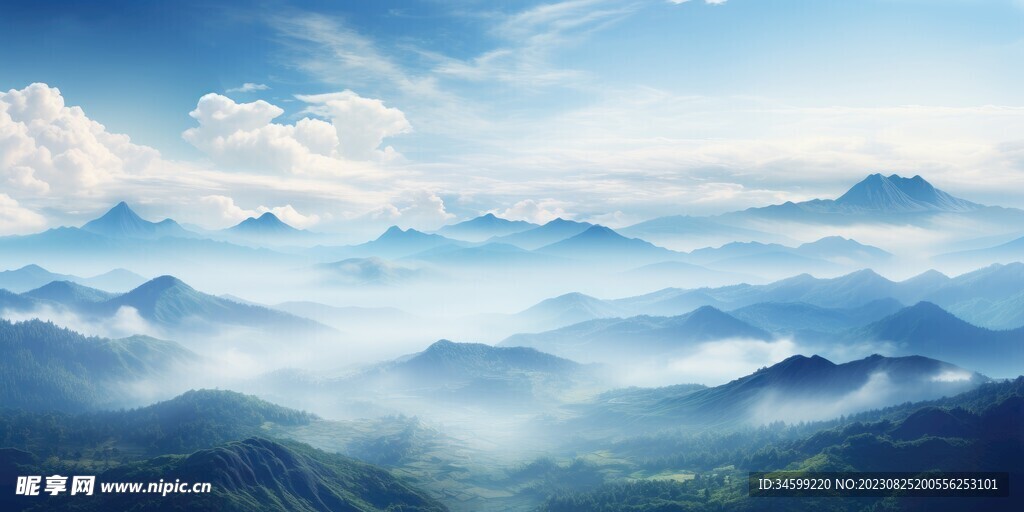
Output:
[[471, 372], [484, 227], [926, 329], [34, 276], [269, 231], [637, 338], [877, 199], [983, 297], [122, 222], [602, 244], [122, 237], [165, 302], [551, 232], [799, 388]]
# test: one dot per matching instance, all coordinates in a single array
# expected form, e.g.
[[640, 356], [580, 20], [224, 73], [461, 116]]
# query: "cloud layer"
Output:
[[49, 149]]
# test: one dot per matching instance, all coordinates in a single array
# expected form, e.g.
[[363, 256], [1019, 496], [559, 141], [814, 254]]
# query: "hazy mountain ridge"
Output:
[[929, 330], [48, 367], [638, 337], [33, 276], [484, 227], [796, 389]]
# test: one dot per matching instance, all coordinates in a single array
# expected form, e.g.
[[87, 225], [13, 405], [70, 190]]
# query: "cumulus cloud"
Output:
[[47, 148], [243, 135], [228, 213], [537, 212], [362, 123], [17, 220], [249, 87], [420, 209]]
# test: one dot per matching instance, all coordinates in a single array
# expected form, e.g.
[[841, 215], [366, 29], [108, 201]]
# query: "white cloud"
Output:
[[47, 148], [243, 136], [417, 209], [717, 362], [362, 124], [249, 87], [17, 220], [224, 209], [530, 39], [126, 321], [537, 212]]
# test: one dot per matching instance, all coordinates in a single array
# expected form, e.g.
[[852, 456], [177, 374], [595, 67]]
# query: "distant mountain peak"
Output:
[[163, 283], [897, 194], [121, 207], [484, 227], [266, 224], [598, 230], [929, 308], [64, 291], [800, 364], [441, 344], [122, 221], [558, 220], [32, 267], [394, 231], [121, 211]]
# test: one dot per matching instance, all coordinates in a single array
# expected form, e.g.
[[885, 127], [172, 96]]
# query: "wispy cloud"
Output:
[[249, 87], [531, 38]]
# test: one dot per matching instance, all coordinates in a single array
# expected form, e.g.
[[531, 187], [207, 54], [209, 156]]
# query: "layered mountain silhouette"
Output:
[[927, 329], [564, 310], [471, 373], [34, 276], [553, 231], [640, 337], [985, 297], [795, 317], [829, 255], [70, 294], [484, 227], [394, 243], [1009, 252], [878, 194], [122, 238], [875, 199], [170, 303], [686, 229], [267, 230], [602, 244], [798, 388], [265, 225]]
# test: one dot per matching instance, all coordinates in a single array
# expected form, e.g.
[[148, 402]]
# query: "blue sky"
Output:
[[608, 110]]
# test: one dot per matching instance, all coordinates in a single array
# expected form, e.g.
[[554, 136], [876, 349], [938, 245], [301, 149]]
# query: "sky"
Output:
[[351, 116]]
